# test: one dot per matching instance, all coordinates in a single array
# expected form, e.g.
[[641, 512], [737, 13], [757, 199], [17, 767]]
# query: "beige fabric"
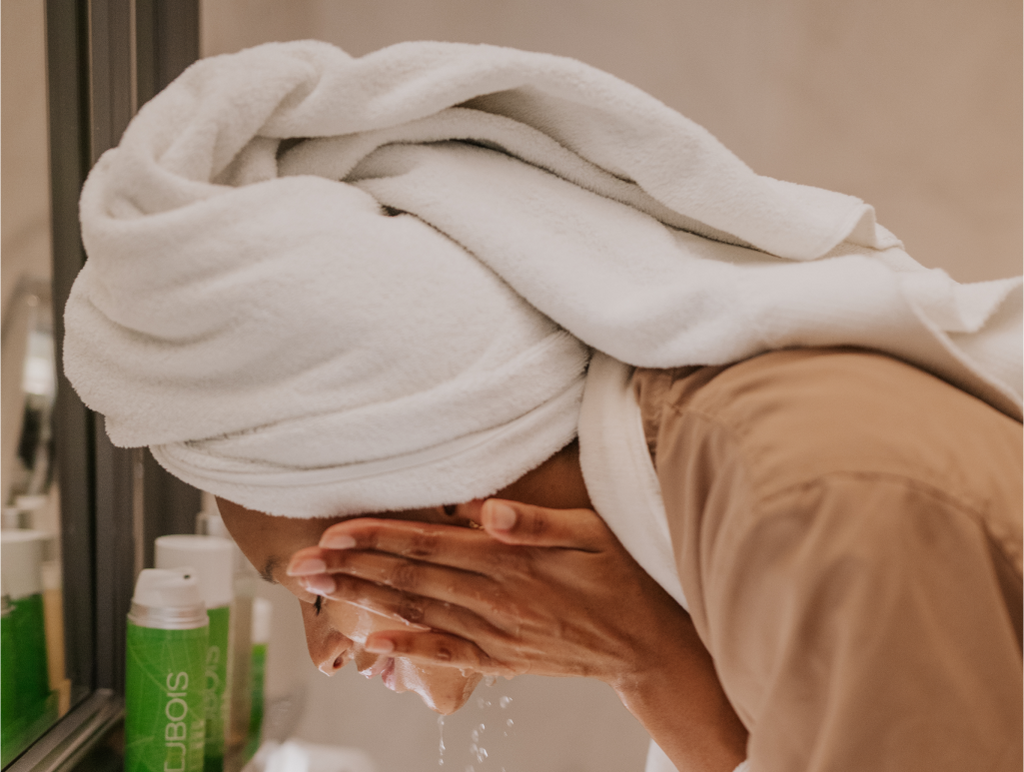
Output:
[[848, 535]]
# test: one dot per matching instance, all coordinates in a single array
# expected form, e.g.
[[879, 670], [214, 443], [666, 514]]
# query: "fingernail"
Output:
[[304, 566], [502, 517], [323, 584], [379, 646], [340, 542]]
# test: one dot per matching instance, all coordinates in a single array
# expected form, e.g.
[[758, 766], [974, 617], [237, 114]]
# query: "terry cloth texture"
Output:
[[847, 530], [618, 472], [324, 285]]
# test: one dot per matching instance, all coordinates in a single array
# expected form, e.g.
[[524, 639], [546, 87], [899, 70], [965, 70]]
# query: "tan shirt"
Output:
[[847, 530]]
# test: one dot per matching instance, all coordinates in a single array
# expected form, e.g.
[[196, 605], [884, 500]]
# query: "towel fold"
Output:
[[323, 285]]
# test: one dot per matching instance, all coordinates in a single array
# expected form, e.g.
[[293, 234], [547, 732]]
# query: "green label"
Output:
[[32, 680], [8, 668], [165, 709], [258, 669], [11, 720], [218, 695], [30, 724]]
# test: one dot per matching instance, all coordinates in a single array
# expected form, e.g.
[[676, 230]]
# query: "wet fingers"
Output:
[[438, 649]]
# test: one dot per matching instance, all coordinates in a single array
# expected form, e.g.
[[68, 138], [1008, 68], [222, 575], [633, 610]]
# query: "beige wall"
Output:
[[913, 105], [24, 153], [24, 197]]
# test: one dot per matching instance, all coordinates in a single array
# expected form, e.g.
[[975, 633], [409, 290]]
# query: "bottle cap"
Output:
[[167, 598], [262, 609], [21, 557], [163, 588], [210, 558]]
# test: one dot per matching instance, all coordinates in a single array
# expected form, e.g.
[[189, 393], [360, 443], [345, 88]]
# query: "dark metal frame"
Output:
[[104, 58]]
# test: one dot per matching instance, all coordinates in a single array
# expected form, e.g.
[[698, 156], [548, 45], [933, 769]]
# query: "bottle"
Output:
[[210, 559], [9, 718], [21, 554], [209, 522], [165, 674], [261, 613]]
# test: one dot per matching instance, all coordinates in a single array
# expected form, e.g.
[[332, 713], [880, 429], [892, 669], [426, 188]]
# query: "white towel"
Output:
[[319, 284]]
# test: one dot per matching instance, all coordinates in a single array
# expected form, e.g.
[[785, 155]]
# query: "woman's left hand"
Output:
[[535, 590]]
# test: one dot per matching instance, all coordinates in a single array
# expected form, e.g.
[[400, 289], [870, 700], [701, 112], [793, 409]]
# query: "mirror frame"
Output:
[[104, 59]]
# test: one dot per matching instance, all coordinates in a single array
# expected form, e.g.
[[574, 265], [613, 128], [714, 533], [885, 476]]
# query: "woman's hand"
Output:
[[536, 590]]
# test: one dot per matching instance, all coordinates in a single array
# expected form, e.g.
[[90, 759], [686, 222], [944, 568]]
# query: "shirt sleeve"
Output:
[[860, 614]]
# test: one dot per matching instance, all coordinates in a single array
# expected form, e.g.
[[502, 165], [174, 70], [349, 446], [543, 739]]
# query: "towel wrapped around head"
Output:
[[322, 285]]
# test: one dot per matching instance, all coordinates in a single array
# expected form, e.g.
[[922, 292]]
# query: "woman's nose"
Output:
[[329, 649]]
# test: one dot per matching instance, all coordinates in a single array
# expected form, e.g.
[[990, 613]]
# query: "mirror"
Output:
[[33, 648]]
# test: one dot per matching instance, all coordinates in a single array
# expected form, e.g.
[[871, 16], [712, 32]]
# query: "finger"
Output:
[[515, 523], [438, 649], [480, 594], [448, 545], [418, 612], [380, 600]]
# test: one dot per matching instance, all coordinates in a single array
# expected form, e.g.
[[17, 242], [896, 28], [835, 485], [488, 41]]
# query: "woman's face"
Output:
[[336, 631]]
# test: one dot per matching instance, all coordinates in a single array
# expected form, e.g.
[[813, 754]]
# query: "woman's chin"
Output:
[[443, 689]]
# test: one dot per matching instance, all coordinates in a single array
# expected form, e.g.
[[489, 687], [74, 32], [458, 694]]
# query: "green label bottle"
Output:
[[31, 677], [210, 560], [10, 723], [218, 697], [165, 674], [261, 617], [20, 568]]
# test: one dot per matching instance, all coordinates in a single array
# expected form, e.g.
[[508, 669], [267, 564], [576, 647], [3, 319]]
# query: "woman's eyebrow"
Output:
[[267, 574]]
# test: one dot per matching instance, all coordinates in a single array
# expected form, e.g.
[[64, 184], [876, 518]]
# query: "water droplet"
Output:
[[440, 742], [510, 722], [481, 754], [505, 701], [490, 680]]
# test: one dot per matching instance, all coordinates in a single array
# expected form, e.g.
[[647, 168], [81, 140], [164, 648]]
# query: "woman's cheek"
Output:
[[356, 623]]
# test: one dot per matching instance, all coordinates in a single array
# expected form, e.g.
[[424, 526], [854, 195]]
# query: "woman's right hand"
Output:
[[534, 590]]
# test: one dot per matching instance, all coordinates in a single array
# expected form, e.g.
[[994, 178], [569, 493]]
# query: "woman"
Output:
[[324, 288], [847, 558], [584, 567]]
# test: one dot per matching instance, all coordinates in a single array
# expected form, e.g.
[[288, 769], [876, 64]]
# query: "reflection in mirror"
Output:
[[35, 690], [28, 348]]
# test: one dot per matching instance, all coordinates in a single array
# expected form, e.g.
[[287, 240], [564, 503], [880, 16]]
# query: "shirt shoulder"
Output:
[[795, 416]]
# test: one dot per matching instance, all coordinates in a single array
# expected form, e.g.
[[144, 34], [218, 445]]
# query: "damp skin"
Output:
[[336, 630]]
